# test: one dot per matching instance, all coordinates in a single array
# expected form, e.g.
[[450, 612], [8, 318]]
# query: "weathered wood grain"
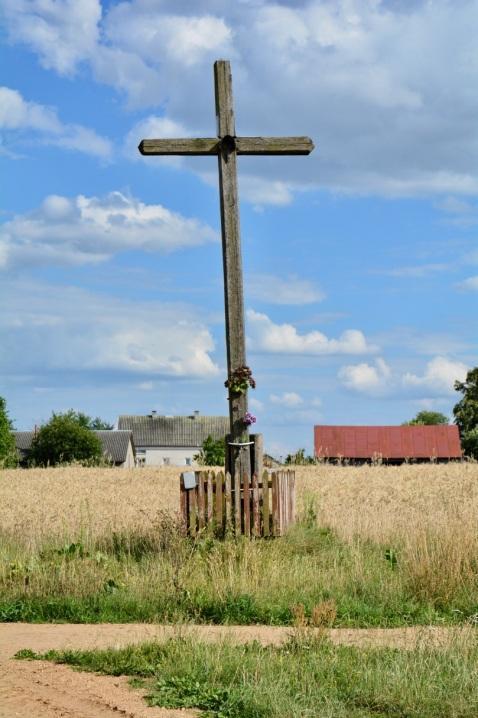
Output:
[[274, 145], [237, 504], [219, 503], [201, 501], [265, 504], [227, 501], [210, 503], [232, 266], [247, 506], [193, 147], [256, 516]]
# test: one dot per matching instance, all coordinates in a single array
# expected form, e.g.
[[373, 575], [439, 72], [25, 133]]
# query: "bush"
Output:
[[8, 452], [64, 440], [213, 452]]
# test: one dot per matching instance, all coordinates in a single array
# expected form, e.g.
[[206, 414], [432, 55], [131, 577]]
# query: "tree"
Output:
[[428, 418], [299, 458], [8, 452], [466, 412], [64, 439], [88, 422], [213, 452]]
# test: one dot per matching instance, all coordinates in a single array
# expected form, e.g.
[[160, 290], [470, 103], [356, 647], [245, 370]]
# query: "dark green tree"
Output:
[[88, 422], [466, 412], [428, 418], [213, 452], [8, 452], [63, 440]]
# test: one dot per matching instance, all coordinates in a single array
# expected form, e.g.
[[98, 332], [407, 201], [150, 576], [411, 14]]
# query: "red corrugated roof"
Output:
[[389, 442]]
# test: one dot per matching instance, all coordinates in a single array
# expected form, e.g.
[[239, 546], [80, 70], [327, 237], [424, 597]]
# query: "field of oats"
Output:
[[375, 546]]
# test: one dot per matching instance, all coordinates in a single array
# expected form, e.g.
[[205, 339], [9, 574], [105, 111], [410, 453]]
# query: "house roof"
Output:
[[389, 442], [114, 443], [23, 439], [186, 431]]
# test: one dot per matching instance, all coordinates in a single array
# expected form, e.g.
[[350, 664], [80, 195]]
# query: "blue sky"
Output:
[[360, 261]]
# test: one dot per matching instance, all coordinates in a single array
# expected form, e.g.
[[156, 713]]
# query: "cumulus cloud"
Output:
[[21, 116], [266, 336], [83, 230], [50, 329], [378, 379], [375, 97], [182, 39], [290, 290], [366, 378], [290, 399], [62, 33], [438, 378]]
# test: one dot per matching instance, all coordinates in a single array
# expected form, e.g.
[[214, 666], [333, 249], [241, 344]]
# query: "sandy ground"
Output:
[[36, 689]]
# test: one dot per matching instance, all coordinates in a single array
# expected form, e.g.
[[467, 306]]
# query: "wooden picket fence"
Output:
[[258, 507]]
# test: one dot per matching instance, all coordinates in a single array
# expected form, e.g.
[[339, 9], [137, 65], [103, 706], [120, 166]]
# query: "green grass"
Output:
[[306, 677], [160, 576]]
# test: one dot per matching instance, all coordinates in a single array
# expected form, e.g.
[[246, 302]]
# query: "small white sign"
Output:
[[189, 479]]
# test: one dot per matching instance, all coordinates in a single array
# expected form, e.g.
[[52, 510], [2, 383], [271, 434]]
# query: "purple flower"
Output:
[[249, 418]]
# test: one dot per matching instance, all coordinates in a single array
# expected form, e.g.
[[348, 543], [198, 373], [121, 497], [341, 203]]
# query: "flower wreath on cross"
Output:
[[240, 380]]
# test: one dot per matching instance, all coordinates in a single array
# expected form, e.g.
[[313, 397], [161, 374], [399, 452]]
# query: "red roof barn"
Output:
[[391, 443]]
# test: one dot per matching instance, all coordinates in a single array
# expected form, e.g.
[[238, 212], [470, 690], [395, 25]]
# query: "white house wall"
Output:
[[130, 461], [163, 456]]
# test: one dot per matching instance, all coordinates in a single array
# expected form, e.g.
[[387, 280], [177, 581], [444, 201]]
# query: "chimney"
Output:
[[153, 413], [196, 413]]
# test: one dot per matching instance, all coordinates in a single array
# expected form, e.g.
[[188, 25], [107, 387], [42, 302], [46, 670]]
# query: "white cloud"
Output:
[[375, 96], [414, 272], [366, 378], [290, 290], [289, 399], [66, 329], [267, 336], [439, 376], [154, 127], [182, 39], [85, 230], [470, 284], [20, 115], [256, 404], [378, 380], [62, 32]]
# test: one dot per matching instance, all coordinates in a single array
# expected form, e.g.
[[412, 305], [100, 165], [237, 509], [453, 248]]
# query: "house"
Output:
[[171, 440], [392, 444], [118, 446]]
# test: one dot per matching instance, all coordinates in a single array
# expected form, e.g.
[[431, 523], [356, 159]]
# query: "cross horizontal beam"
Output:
[[242, 145]]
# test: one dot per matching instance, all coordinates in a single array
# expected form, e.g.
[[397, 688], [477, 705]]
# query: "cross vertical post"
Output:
[[239, 456]]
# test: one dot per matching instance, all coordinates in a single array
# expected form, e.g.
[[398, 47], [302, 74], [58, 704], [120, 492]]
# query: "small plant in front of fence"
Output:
[[240, 380]]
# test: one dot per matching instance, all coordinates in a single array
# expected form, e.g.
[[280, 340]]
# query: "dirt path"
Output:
[[35, 689]]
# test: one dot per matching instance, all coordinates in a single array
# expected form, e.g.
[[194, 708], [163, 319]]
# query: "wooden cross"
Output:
[[227, 146]]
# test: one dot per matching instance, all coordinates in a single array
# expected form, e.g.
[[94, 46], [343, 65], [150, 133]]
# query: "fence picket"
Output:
[[247, 506], [256, 517], [265, 504], [227, 501], [219, 522], [210, 505], [237, 504], [201, 501]]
